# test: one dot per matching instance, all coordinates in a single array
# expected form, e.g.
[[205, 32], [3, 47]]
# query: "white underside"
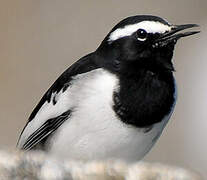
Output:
[[93, 131]]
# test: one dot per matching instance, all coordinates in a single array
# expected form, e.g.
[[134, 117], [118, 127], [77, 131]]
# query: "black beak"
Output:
[[173, 36]]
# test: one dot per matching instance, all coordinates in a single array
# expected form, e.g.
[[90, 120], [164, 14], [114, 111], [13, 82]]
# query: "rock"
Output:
[[36, 165]]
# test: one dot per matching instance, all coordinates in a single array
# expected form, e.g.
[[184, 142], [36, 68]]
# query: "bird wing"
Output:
[[45, 130], [53, 109]]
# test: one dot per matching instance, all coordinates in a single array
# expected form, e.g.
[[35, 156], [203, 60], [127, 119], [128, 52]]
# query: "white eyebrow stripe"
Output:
[[149, 26]]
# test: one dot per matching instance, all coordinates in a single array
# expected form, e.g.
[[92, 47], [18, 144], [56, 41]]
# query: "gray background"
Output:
[[39, 39]]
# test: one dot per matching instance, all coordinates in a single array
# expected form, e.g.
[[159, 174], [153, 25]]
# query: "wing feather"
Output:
[[40, 124], [45, 130]]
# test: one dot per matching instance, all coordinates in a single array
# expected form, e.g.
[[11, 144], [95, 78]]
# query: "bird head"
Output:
[[143, 41]]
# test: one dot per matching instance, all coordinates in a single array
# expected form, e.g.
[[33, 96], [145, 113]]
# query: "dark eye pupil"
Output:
[[141, 34]]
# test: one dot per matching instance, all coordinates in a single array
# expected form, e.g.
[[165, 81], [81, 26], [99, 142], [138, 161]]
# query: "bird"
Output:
[[113, 102]]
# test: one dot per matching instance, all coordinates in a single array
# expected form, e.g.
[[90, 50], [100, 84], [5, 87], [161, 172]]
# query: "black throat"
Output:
[[144, 97]]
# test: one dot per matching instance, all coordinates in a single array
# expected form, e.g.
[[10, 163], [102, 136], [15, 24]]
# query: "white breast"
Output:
[[94, 131]]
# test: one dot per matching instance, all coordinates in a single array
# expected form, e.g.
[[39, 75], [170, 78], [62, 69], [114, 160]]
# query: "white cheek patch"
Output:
[[149, 26]]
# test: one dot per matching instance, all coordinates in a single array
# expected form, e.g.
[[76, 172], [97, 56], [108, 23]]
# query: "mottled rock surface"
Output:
[[16, 165]]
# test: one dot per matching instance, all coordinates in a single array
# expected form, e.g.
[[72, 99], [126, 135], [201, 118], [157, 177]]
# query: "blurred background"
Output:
[[39, 39]]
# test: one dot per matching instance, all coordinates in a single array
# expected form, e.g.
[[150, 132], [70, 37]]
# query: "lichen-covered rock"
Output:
[[17, 165]]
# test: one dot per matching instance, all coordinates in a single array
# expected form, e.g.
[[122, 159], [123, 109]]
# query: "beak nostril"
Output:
[[173, 36], [177, 28]]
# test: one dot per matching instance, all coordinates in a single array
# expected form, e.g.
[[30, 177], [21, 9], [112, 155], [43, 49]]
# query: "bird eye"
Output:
[[141, 35]]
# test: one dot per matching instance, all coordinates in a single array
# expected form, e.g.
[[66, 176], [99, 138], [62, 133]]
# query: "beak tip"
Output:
[[195, 25], [185, 26]]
